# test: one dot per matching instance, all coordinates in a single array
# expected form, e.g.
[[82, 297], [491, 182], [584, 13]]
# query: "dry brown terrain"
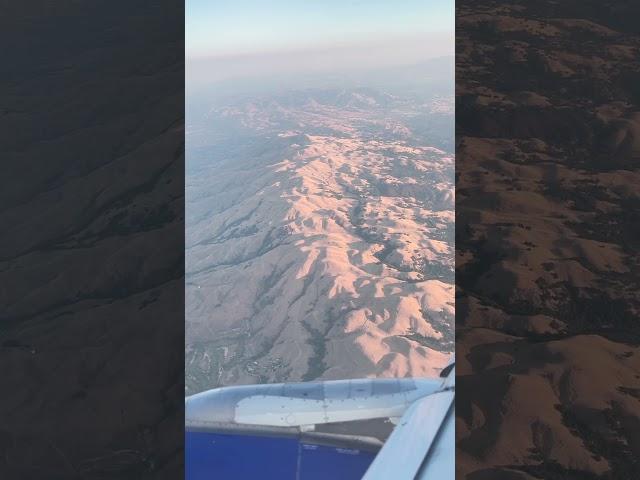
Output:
[[548, 240]]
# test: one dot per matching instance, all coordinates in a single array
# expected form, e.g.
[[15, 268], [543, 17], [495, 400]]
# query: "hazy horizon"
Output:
[[249, 27], [249, 39]]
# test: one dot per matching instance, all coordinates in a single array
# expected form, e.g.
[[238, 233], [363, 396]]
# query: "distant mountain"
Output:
[[421, 81]]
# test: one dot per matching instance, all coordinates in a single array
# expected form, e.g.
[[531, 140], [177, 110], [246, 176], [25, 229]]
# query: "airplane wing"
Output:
[[318, 430], [422, 444]]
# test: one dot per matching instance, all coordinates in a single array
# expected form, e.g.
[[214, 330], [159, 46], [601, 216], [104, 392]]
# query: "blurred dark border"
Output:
[[92, 244], [548, 239]]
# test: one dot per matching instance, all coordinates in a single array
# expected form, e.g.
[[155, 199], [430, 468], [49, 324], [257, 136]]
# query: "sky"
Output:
[[237, 27], [248, 37]]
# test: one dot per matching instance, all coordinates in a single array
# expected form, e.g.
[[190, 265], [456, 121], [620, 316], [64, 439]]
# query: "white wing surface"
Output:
[[422, 445]]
